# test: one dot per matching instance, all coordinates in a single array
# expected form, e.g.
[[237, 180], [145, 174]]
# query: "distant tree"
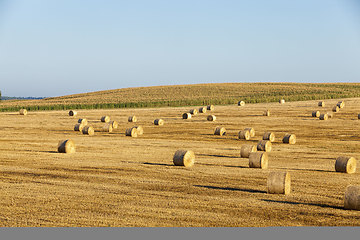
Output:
[[0, 95]]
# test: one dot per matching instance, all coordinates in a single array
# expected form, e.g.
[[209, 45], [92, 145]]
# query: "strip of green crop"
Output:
[[256, 98]]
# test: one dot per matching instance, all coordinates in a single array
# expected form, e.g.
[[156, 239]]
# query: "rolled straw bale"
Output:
[[358, 116], [159, 122], [244, 134], [132, 119], [66, 146], [264, 145], [315, 114], [78, 127], [345, 164], [289, 138], [88, 130], [210, 107], [186, 116], [258, 160], [83, 121], [246, 150], [131, 132], [72, 113], [352, 197], [269, 136], [252, 131], [267, 113], [336, 109], [114, 124], [330, 114], [341, 104], [279, 183], [193, 112], [282, 101], [184, 158], [140, 130], [241, 103], [202, 110], [107, 127], [23, 111], [211, 118], [220, 131], [321, 104], [105, 119], [323, 116]]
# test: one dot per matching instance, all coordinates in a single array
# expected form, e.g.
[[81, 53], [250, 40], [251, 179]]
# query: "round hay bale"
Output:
[[279, 183], [289, 138], [244, 134], [267, 113], [330, 114], [241, 103], [264, 145], [72, 113], [105, 119], [193, 112], [186, 116], [159, 122], [252, 131], [315, 114], [211, 118], [114, 124], [140, 130], [202, 110], [321, 104], [336, 109], [131, 132], [184, 158], [345, 164], [220, 131], [88, 130], [282, 101], [341, 104], [23, 111], [269, 136], [323, 116], [66, 146], [246, 150], [258, 160], [83, 121], [107, 127], [210, 107], [78, 127], [132, 119], [358, 116], [352, 197]]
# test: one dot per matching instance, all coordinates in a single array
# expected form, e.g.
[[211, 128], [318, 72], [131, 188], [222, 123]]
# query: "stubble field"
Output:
[[114, 180]]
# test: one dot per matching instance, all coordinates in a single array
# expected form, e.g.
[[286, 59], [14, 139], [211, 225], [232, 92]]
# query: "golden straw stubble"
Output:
[[269, 136], [258, 160], [88, 130], [220, 131], [184, 158], [246, 150], [345, 164], [289, 138], [66, 146], [279, 183], [352, 197]]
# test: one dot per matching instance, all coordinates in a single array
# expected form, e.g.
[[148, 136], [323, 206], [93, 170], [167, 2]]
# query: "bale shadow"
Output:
[[216, 155], [158, 164], [298, 203], [231, 189], [217, 165], [309, 170], [48, 151]]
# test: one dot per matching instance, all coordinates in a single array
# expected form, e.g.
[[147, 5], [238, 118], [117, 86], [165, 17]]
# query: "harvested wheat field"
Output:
[[115, 180]]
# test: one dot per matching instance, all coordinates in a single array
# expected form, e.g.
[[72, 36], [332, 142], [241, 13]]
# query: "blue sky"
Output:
[[53, 48]]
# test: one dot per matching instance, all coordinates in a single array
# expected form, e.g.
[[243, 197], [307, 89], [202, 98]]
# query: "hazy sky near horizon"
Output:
[[53, 48]]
